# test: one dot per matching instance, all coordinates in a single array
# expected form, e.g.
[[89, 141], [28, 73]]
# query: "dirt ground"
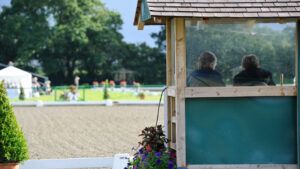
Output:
[[88, 131]]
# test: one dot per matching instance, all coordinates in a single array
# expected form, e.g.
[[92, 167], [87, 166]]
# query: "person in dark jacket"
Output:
[[252, 75], [206, 75]]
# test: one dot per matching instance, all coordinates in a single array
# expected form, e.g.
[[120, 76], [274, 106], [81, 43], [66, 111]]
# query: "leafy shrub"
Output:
[[105, 91], [141, 95], [153, 154], [13, 147], [22, 94]]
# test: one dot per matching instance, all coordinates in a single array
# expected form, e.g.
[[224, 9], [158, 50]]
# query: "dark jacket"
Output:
[[205, 78], [253, 77]]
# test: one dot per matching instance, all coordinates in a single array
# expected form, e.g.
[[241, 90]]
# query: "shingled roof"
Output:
[[221, 8]]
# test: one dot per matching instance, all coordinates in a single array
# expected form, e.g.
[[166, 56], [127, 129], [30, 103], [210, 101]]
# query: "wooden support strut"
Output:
[[140, 24], [180, 81]]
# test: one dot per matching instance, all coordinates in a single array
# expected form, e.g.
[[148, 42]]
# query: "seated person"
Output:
[[206, 75], [252, 75], [73, 95]]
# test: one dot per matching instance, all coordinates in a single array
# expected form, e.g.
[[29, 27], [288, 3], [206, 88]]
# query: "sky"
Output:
[[127, 10]]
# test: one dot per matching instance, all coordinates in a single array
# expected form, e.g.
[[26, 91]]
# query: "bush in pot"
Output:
[[153, 153], [13, 147]]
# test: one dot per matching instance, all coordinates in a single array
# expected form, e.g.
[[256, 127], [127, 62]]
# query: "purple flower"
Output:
[[158, 154], [134, 167], [144, 157], [170, 165], [141, 151], [158, 162]]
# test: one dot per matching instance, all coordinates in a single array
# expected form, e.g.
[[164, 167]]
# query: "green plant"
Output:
[[105, 91], [22, 93], [153, 154], [141, 95], [13, 147], [153, 137]]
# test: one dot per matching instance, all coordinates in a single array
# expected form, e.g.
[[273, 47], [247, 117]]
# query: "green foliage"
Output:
[[69, 37], [105, 91], [13, 147], [153, 137], [22, 94], [148, 63]]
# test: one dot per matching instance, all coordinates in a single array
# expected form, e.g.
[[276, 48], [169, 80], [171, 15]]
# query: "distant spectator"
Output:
[[73, 95], [48, 87], [35, 87], [76, 81]]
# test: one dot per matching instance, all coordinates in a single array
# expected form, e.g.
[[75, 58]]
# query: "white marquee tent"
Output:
[[14, 78]]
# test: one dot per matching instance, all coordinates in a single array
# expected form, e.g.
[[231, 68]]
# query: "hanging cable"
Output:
[[162, 92]]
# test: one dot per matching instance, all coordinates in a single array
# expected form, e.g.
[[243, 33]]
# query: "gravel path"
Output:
[[94, 131]]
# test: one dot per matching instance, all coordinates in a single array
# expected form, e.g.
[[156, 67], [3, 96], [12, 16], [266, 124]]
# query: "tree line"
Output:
[[65, 38]]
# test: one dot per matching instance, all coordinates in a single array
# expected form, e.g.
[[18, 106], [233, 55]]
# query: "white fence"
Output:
[[119, 161]]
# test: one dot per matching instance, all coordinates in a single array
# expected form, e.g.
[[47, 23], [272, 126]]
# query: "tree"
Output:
[[82, 40], [148, 63], [23, 31], [65, 38], [13, 147], [160, 38]]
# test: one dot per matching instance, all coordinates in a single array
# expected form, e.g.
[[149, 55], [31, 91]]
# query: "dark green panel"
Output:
[[258, 130], [298, 82]]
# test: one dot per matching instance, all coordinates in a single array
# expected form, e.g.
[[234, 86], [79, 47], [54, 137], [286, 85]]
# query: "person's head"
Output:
[[72, 89], [250, 62], [207, 60]]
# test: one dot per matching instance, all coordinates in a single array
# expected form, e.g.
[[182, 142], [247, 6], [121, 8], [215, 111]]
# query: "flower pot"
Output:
[[108, 102], [9, 166]]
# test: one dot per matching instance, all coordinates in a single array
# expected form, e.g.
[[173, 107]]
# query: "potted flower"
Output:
[[123, 83], [112, 84], [153, 152], [102, 83], [13, 147]]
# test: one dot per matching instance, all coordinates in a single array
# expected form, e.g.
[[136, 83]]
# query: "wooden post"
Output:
[[180, 75], [169, 52], [169, 78]]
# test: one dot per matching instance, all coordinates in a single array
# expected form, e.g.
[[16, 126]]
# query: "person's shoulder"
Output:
[[216, 73], [241, 73], [264, 71]]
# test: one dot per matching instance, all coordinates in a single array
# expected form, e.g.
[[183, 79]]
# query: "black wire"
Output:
[[162, 92]]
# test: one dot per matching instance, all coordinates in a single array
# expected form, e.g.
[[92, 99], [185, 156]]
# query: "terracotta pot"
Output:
[[9, 166]]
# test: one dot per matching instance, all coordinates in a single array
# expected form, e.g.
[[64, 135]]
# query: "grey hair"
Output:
[[250, 61], [207, 60]]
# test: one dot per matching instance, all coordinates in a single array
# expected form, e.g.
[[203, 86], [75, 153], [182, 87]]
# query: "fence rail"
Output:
[[84, 93], [119, 161]]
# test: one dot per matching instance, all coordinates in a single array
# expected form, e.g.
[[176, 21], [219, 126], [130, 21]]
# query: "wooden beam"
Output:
[[171, 91], [243, 20], [140, 24], [244, 91], [169, 53], [180, 81]]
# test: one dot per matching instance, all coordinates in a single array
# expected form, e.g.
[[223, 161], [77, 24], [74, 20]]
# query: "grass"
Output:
[[96, 95]]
